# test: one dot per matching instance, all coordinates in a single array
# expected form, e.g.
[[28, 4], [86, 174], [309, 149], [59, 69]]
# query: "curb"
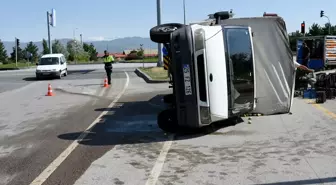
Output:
[[147, 78]]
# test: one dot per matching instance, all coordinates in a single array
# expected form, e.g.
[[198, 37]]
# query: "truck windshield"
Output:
[[49, 61], [241, 77]]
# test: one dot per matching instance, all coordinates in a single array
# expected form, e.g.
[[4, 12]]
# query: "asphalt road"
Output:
[[42, 138], [10, 80], [32, 124]]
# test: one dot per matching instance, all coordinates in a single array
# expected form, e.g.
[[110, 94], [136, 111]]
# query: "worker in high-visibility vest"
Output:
[[108, 60]]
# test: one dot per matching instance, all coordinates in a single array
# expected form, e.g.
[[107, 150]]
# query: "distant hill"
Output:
[[117, 45]]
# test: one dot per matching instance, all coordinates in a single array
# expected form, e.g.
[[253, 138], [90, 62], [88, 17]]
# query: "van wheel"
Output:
[[161, 33], [60, 75], [167, 120]]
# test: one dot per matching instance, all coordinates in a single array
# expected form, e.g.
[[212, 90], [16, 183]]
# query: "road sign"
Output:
[[164, 51], [53, 18]]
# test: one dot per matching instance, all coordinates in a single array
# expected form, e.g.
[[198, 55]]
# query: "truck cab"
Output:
[[217, 67], [223, 68]]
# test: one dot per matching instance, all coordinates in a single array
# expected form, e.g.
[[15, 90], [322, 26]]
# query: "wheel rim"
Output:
[[167, 28]]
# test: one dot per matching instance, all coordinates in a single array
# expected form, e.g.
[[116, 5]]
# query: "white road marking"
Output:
[[100, 95], [156, 171], [58, 161]]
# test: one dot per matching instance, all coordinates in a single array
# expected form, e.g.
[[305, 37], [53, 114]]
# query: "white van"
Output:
[[52, 65]]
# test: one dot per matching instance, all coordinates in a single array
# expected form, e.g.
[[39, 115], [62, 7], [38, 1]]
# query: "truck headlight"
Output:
[[199, 39], [205, 115]]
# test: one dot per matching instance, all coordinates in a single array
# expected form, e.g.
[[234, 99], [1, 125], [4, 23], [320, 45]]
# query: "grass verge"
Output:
[[146, 60], [13, 65], [156, 73]]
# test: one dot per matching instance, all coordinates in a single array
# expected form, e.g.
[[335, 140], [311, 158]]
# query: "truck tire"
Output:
[[169, 98], [167, 121], [161, 33]]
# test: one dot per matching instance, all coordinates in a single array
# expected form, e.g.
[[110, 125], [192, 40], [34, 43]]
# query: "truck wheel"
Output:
[[161, 33], [169, 98], [167, 120]]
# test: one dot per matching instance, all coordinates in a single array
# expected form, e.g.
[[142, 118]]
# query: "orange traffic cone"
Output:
[[49, 93], [105, 82]]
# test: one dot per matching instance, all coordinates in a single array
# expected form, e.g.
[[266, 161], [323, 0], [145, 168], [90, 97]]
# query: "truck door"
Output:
[[241, 69]]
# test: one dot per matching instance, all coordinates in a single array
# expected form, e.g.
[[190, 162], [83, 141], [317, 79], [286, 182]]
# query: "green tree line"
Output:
[[313, 30], [73, 51]]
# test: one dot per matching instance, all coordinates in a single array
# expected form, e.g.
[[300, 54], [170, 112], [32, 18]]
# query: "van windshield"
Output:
[[240, 57], [49, 61]]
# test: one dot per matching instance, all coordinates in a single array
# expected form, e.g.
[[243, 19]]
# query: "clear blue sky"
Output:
[[111, 19]]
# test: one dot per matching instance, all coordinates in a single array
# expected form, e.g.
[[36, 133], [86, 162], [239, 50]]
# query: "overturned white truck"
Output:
[[225, 68]]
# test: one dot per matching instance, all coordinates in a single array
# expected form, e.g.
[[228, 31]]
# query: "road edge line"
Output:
[[323, 109], [156, 171], [42, 177]]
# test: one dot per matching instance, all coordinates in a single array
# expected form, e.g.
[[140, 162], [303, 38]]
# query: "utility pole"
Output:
[[49, 40], [81, 38], [160, 57]]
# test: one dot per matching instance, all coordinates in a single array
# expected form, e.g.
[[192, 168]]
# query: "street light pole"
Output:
[[329, 24], [322, 15], [81, 39], [74, 33], [49, 39], [160, 57], [184, 12]]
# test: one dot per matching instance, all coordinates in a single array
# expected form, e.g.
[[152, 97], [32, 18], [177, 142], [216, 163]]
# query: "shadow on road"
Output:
[[80, 71], [30, 79], [308, 181], [134, 123], [70, 72], [88, 85]]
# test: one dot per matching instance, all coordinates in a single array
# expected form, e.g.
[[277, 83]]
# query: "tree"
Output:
[[3, 53], [91, 50], [32, 49], [315, 30], [86, 47], [20, 55], [45, 47], [58, 47], [141, 52], [76, 51], [93, 53]]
